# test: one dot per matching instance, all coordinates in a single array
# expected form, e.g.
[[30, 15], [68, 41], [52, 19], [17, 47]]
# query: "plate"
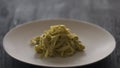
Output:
[[99, 43]]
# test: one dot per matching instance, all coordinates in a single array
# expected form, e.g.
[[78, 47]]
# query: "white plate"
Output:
[[98, 42]]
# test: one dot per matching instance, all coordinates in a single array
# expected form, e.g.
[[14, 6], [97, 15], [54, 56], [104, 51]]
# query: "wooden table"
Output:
[[105, 13]]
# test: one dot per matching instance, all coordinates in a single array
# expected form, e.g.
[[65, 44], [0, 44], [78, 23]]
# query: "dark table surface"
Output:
[[105, 13]]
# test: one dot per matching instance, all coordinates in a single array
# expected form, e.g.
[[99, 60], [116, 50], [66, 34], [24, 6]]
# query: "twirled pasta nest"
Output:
[[57, 41]]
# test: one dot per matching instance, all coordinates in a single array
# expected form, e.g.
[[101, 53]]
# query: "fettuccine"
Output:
[[57, 41]]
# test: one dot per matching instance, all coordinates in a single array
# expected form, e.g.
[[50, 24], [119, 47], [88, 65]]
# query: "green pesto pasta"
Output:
[[57, 41]]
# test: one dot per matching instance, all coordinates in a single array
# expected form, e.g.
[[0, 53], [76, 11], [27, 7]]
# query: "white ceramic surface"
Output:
[[98, 42]]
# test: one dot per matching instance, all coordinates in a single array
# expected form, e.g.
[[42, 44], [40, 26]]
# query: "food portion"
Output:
[[57, 41]]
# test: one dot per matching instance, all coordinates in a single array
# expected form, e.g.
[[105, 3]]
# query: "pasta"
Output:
[[57, 41]]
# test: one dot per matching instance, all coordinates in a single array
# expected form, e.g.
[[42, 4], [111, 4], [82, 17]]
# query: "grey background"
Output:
[[105, 13]]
